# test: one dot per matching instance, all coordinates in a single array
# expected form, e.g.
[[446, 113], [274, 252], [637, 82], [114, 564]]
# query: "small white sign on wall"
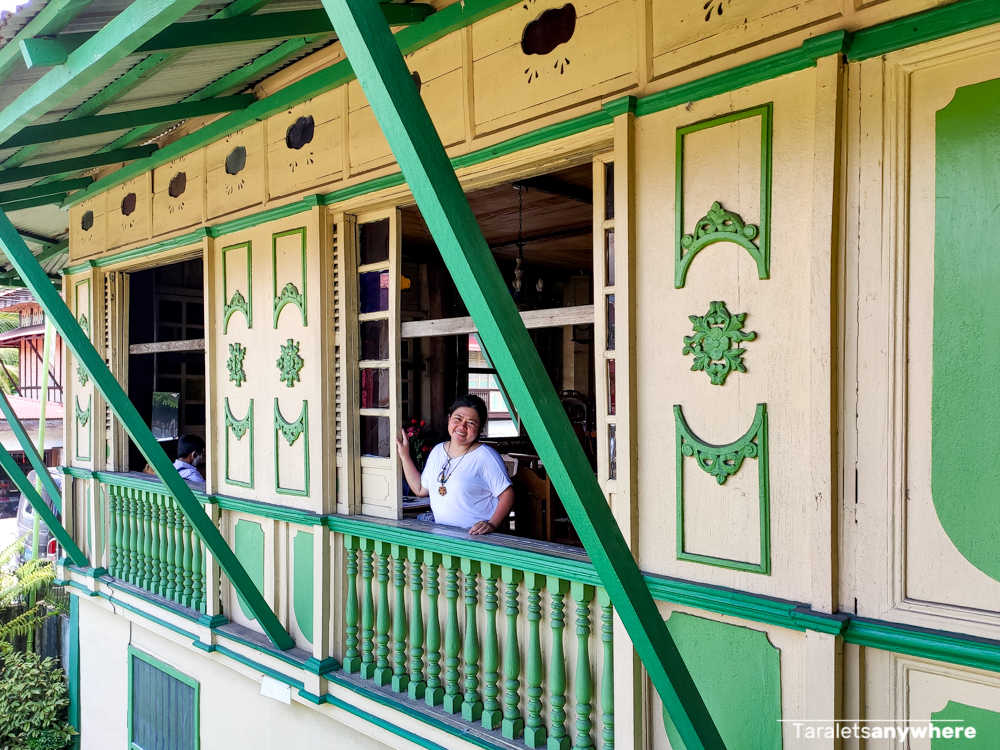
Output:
[[279, 691]]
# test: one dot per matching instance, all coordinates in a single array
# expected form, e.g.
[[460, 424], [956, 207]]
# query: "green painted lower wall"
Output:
[[965, 467], [302, 593], [249, 548], [986, 724], [738, 673]]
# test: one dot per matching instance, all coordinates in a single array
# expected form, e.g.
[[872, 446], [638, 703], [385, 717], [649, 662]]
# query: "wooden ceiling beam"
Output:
[[76, 164]]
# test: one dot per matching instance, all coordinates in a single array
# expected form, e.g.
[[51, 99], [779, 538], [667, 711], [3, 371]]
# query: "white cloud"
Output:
[[11, 5]]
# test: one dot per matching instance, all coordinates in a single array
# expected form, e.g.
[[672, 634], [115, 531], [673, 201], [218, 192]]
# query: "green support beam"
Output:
[[84, 126], [30, 451], [9, 465], [51, 19], [39, 238], [45, 200], [139, 22], [46, 52], [93, 363], [39, 191], [77, 164], [383, 75]]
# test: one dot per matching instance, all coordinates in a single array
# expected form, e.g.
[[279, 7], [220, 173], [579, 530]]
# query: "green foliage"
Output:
[[23, 584], [9, 357], [33, 704]]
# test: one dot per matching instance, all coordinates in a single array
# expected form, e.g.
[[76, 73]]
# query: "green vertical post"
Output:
[[93, 363], [417, 685], [73, 670], [534, 730], [403, 118], [472, 705], [113, 521], [383, 670], [186, 540], [197, 580], [162, 503], [147, 541], [558, 739], [400, 678], [352, 656], [452, 640], [36, 527], [583, 595], [170, 589], [513, 724], [607, 672], [434, 694], [153, 502], [130, 536], [492, 715], [367, 612]]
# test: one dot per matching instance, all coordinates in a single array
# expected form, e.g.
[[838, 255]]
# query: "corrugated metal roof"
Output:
[[27, 408]]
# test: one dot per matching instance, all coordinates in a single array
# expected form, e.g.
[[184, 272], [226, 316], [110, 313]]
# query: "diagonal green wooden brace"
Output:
[[30, 451], [9, 465], [80, 345], [384, 77]]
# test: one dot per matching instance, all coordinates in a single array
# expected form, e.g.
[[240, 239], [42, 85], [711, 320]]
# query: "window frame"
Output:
[[135, 653]]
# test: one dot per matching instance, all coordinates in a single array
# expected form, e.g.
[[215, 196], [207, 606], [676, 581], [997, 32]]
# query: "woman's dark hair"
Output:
[[471, 401]]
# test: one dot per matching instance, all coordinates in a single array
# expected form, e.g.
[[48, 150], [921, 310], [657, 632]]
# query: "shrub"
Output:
[[33, 703]]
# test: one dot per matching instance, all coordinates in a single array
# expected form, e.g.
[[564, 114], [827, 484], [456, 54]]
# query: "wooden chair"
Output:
[[532, 504]]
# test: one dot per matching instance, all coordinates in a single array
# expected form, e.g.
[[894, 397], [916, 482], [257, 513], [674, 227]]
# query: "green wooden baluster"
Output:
[[367, 612], [197, 579], [558, 739], [513, 724], [434, 694], [383, 669], [452, 695], [352, 656], [186, 541], [116, 533], [534, 730], [162, 502], [147, 542], [417, 685], [154, 550], [583, 594], [170, 589], [113, 516], [400, 679], [472, 705], [492, 715], [133, 537], [178, 554], [607, 672]]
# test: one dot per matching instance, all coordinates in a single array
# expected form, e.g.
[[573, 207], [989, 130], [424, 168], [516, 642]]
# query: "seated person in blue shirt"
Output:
[[190, 453]]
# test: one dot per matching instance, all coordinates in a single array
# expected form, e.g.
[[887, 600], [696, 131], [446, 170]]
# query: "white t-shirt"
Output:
[[474, 485]]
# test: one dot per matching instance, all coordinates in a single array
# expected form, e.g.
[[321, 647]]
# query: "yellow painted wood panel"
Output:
[[187, 209], [129, 209], [321, 160], [231, 192], [511, 86], [687, 33], [86, 243]]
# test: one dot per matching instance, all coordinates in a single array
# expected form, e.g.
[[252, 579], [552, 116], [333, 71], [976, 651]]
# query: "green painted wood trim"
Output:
[[688, 244], [289, 295], [30, 451], [248, 544], [50, 19], [95, 124], [937, 645], [234, 425], [73, 668], [138, 22], [39, 191], [407, 126], [45, 52], [184, 240], [87, 356], [688, 444], [302, 584], [299, 428], [37, 171], [231, 304], [923, 27], [44, 200], [410, 39], [133, 654], [43, 511]]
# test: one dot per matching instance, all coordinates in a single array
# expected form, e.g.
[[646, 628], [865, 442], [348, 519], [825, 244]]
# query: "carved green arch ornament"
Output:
[[290, 432], [722, 462], [719, 224], [239, 428], [236, 302], [965, 399]]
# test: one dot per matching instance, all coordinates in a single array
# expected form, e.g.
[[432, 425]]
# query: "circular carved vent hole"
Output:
[[554, 27], [416, 80], [300, 132], [178, 184], [87, 221], [128, 204], [236, 161]]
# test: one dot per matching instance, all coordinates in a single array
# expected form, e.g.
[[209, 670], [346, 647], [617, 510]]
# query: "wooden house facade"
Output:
[[753, 248]]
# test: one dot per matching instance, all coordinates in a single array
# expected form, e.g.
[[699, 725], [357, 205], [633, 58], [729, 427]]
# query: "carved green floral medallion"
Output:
[[235, 364], [82, 375], [713, 344], [290, 363]]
